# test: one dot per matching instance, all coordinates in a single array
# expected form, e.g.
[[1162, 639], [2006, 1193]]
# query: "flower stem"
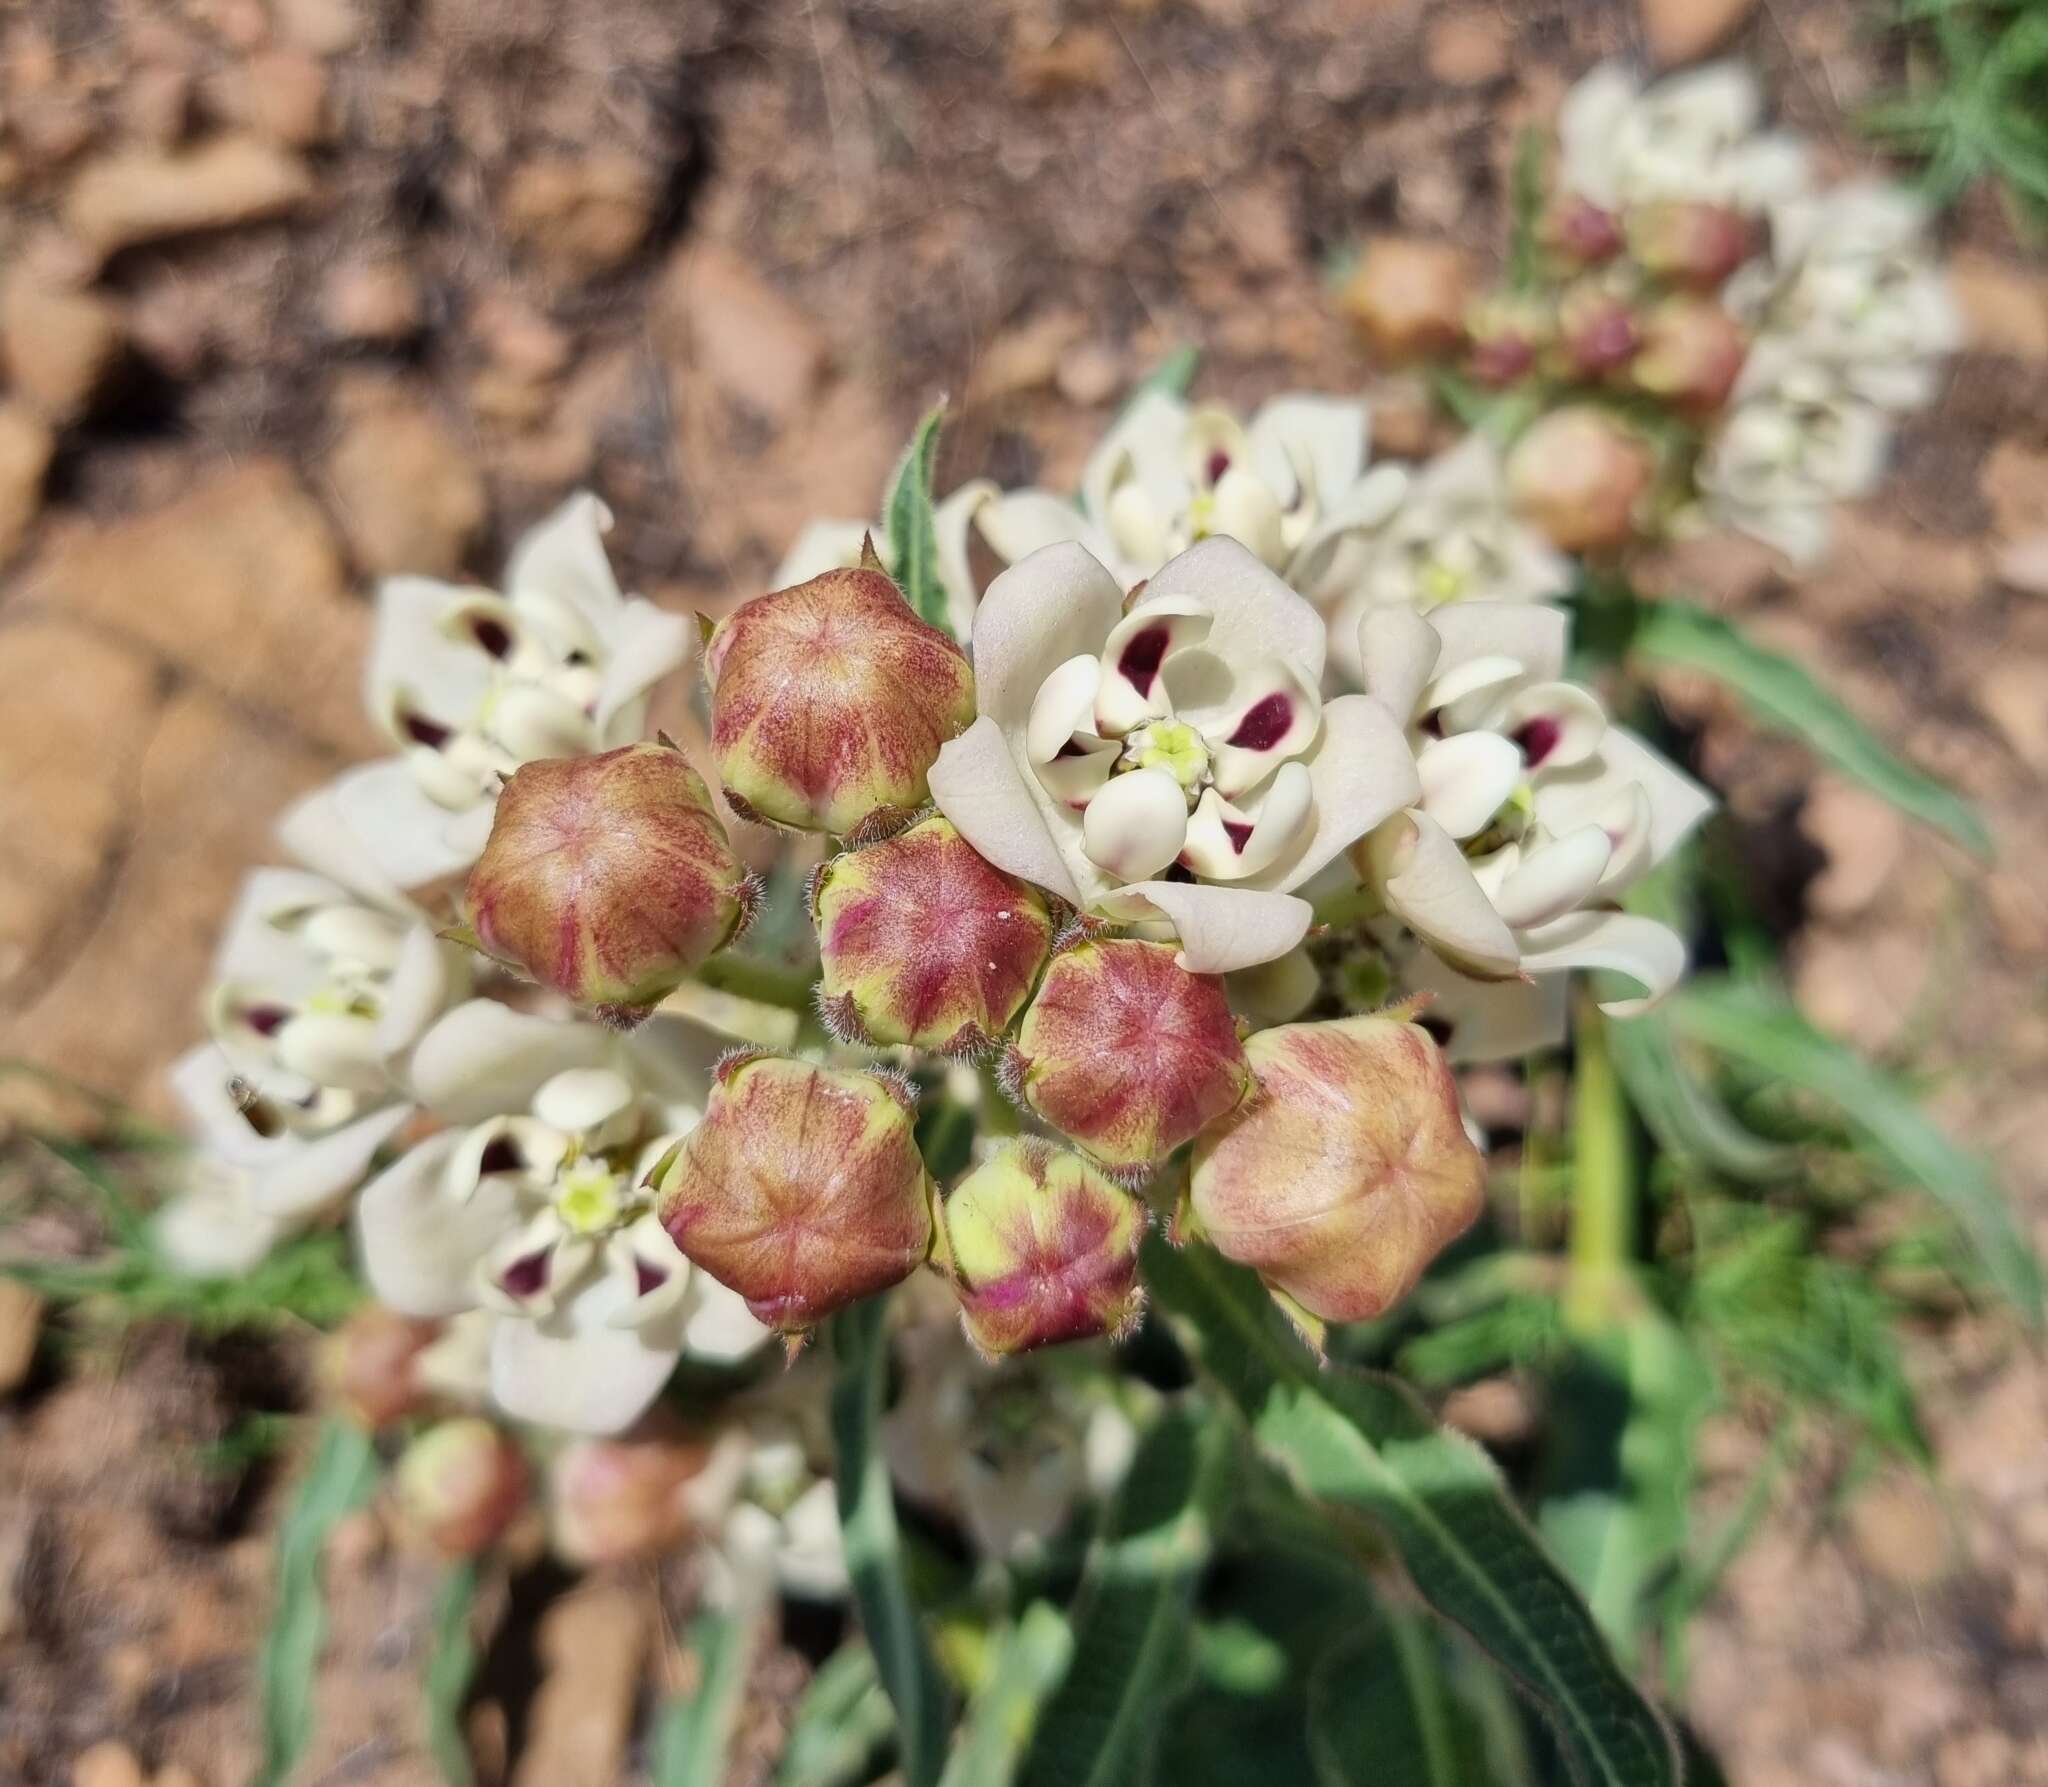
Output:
[[1603, 1181], [767, 983]]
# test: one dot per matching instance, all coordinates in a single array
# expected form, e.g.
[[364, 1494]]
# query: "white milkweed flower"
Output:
[[544, 1219], [1171, 761], [470, 683], [1694, 136], [1536, 812]]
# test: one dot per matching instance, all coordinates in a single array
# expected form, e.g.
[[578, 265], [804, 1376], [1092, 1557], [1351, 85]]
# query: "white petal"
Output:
[[202, 1080], [1144, 443], [643, 645], [582, 1098], [1283, 813], [1535, 638], [1328, 433], [413, 657], [332, 1049], [1220, 928], [1256, 616], [978, 786], [950, 523], [1583, 795], [427, 971], [304, 1178], [211, 1232], [1278, 717], [1361, 770], [1649, 953], [1465, 778], [1397, 654], [1555, 878], [1247, 511], [825, 546], [419, 1247], [1063, 707], [531, 721], [1136, 825], [482, 1059], [575, 1371], [562, 560], [1425, 880], [717, 1325], [1076, 779], [1017, 523], [255, 947], [1054, 605], [1134, 658], [1490, 1020], [374, 830]]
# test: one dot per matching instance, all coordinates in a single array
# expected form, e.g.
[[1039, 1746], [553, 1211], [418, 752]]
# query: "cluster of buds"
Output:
[[460, 1485]]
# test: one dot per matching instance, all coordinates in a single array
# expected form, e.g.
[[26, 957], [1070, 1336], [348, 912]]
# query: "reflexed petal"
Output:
[[562, 561], [1555, 878], [950, 524], [1647, 952], [978, 786], [1489, 1020], [1063, 709], [1255, 615], [1425, 880], [1132, 668], [212, 1231], [582, 1099], [482, 1059], [1584, 794], [1328, 433], [1246, 510], [1397, 654], [1053, 605], [1017, 523], [1278, 718], [1143, 444], [419, 1247], [1466, 778], [1224, 843], [1535, 638], [1557, 725], [1220, 928], [643, 645], [305, 1178], [1361, 770], [413, 655], [426, 973], [1136, 825], [374, 830], [575, 1370], [717, 1325]]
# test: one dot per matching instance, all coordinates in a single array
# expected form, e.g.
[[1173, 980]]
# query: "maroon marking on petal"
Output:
[[1239, 833], [1432, 724], [493, 636], [1218, 464], [1265, 723], [1539, 738], [1439, 1030], [526, 1275], [267, 1020], [423, 731], [647, 1278], [1072, 748], [1142, 657], [501, 1155]]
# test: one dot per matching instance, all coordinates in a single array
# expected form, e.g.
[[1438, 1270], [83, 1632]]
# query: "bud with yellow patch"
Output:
[[1040, 1247], [802, 1189], [1691, 356], [1347, 1171], [829, 703], [1689, 242], [460, 1484]]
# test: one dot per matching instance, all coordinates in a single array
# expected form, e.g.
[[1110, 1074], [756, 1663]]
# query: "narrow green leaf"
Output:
[[342, 1476], [839, 1724], [1134, 1609], [1363, 1447], [1781, 694], [1382, 1712], [1030, 1660], [1527, 189], [911, 521], [1684, 1113], [874, 1545], [451, 1663], [1170, 378], [696, 1729], [1758, 1026]]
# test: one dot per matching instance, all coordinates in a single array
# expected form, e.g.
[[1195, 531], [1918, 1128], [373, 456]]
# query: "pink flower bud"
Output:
[[1407, 298], [1508, 336], [1348, 1170], [1579, 233], [612, 1500], [1040, 1247], [1692, 354], [1689, 242], [829, 703], [370, 1364], [923, 941], [1596, 332], [607, 878], [460, 1484], [1128, 1053], [802, 1189], [1580, 477]]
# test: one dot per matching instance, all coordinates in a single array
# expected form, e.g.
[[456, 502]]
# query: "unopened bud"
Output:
[[923, 941], [1689, 242], [1580, 477], [1597, 334], [460, 1484], [613, 1500], [1407, 298], [370, 1364], [829, 703], [607, 878], [1128, 1053], [802, 1189], [1692, 354], [1579, 233], [1508, 336], [1347, 1172], [1040, 1247]]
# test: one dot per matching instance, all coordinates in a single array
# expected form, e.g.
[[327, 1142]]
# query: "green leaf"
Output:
[[1030, 1661], [1781, 694], [911, 521], [1685, 1114], [1382, 1713], [1756, 1025], [1134, 1609], [839, 1724], [342, 1476], [874, 1544], [451, 1664], [1528, 186], [696, 1729], [1361, 1446]]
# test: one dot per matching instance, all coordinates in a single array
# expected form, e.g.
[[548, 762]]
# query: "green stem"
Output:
[[1603, 1183], [1354, 905], [767, 983]]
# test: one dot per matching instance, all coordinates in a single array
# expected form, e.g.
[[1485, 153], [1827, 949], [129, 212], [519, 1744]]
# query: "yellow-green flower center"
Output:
[[591, 1198], [1171, 745], [1441, 583]]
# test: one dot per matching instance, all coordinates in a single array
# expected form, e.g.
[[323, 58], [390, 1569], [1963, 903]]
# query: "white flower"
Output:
[[1852, 285], [470, 684], [787, 1514], [1535, 812], [1291, 486], [545, 1219], [835, 546], [1187, 735], [1798, 442], [1454, 538], [1695, 135]]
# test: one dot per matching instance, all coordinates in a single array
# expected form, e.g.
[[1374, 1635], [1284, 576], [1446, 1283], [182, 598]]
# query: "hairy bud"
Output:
[[1347, 1172], [613, 1500], [1580, 477], [607, 878], [1040, 1247], [1597, 334], [924, 941], [1128, 1053], [802, 1189], [1407, 298], [1578, 233], [460, 1484], [1689, 242], [1691, 356], [1508, 336], [370, 1364], [829, 703]]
